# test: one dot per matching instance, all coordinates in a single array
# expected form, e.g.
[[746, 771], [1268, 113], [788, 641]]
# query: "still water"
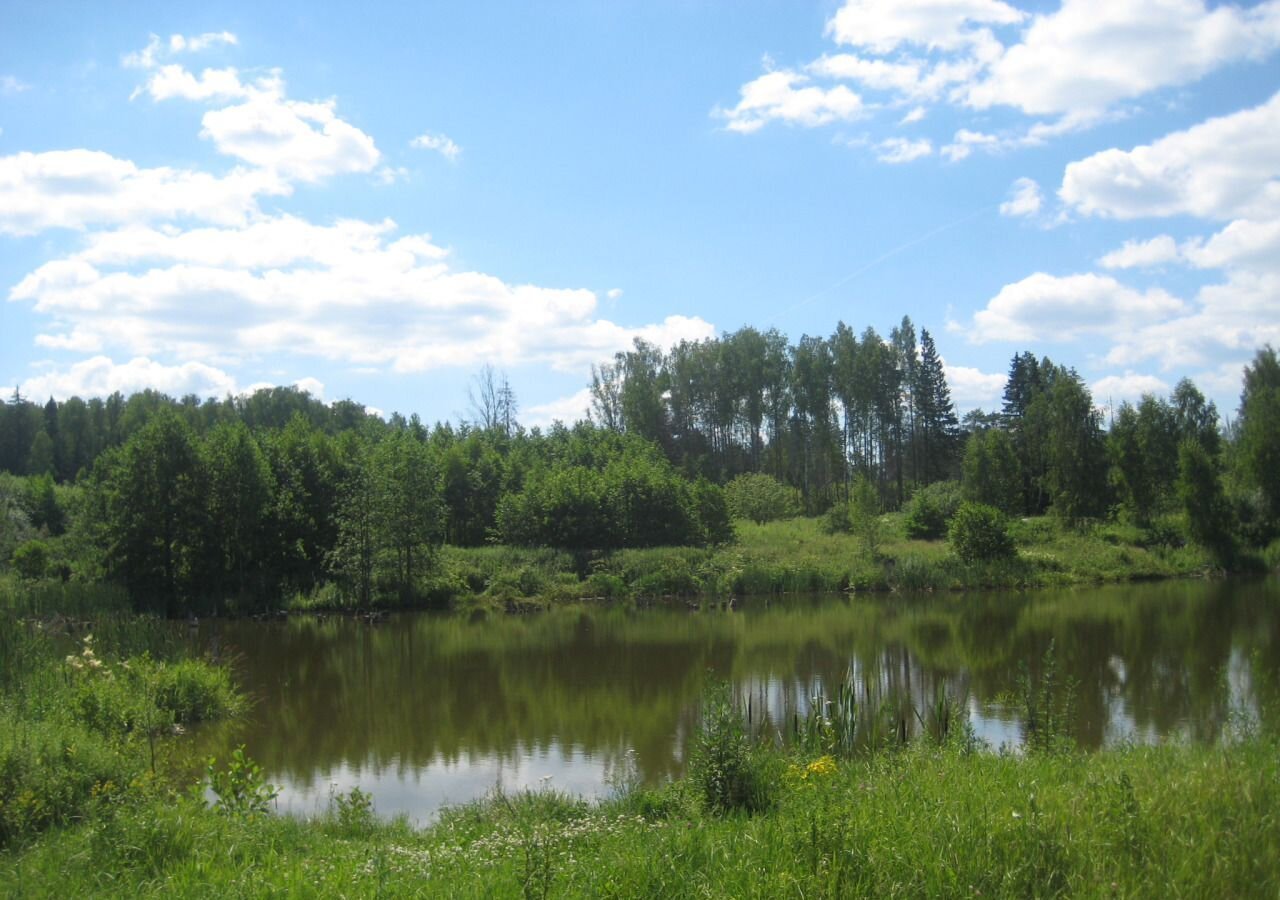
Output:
[[421, 710]]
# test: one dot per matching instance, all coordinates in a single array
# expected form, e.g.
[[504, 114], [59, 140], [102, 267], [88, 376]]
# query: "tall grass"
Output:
[[928, 821]]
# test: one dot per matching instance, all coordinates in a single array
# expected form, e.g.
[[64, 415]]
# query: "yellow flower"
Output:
[[822, 766]]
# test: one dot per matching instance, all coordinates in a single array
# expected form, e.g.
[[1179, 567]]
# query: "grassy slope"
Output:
[[797, 556]]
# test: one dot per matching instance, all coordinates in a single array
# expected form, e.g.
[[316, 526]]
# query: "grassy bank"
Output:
[[788, 557], [89, 705], [926, 821]]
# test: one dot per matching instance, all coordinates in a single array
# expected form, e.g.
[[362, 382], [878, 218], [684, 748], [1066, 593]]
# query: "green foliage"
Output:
[[1259, 430], [1075, 453], [52, 772], [1209, 520], [860, 516], [1047, 699], [930, 509], [727, 772], [240, 789], [353, 811], [980, 533], [992, 472], [761, 498], [149, 513], [31, 560], [634, 499]]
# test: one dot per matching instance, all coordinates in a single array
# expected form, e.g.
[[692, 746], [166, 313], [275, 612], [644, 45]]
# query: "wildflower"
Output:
[[821, 767]]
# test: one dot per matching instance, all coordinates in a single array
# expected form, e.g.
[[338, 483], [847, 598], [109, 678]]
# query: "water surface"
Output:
[[423, 709]]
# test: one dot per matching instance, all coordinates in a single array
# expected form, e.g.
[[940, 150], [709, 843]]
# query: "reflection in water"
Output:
[[420, 710]]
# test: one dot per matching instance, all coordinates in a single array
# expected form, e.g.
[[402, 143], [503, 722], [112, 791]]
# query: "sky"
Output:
[[373, 201]]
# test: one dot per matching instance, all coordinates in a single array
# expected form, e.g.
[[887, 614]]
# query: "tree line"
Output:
[[184, 498]]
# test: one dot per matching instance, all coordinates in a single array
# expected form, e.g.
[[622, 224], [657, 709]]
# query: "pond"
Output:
[[422, 710]]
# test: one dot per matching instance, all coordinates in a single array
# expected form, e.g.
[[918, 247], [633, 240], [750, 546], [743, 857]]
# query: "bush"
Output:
[[980, 533], [761, 498], [930, 509], [51, 773], [728, 774], [859, 517], [31, 560]]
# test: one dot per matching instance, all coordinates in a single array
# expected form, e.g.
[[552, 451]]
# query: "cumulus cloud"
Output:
[[353, 292], [1142, 254], [933, 24], [440, 143], [1024, 200], [1226, 168], [279, 141], [179, 269], [82, 188], [313, 386], [294, 139], [1223, 168], [1044, 307], [568, 410], [974, 389], [965, 141], [787, 96], [99, 376], [1066, 68], [902, 150], [150, 56], [1086, 56], [1130, 387]]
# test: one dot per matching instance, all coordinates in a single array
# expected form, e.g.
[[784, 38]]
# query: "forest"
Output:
[[184, 502]]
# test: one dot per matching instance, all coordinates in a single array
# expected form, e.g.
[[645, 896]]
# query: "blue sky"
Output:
[[373, 203]]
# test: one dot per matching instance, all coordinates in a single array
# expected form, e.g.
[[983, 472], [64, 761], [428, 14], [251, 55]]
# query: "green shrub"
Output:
[[31, 560], [51, 772], [241, 789], [761, 498], [930, 509], [980, 533], [728, 774]]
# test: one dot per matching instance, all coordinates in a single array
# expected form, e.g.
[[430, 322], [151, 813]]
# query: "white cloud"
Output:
[[1044, 307], [149, 57], [99, 376], [313, 386], [351, 292], [297, 140], [1068, 69], [1244, 245], [293, 139], [178, 43], [440, 143], [1086, 56], [935, 24], [965, 141], [974, 389], [1142, 254], [1130, 386], [10, 85], [1025, 199], [182, 265], [81, 188], [568, 410], [174, 82], [902, 150], [787, 96], [613, 293], [1223, 168]]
